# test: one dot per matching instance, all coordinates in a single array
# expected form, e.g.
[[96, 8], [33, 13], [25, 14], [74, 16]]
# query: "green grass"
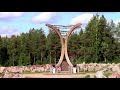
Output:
[[90, 71], [28, 72], [107, 73]]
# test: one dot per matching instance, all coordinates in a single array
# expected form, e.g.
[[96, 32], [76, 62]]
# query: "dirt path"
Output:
[[57, 76]]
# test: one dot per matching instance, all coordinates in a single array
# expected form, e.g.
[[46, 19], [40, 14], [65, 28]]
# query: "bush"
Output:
[[87, 76]]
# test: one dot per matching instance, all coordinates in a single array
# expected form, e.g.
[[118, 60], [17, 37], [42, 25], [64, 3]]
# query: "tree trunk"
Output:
[[84, 54], [41, 57], [105, 59], [75, 56], [50, 57], [13, 62], [55, 56], [34, 58]]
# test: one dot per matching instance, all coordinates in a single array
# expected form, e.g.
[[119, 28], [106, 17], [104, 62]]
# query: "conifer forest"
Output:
[[98, 42]]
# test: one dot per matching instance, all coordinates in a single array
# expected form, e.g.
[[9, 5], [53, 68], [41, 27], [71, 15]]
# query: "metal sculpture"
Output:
[[63, 43]]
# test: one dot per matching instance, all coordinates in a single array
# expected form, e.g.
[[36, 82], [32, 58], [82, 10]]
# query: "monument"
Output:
[[64, 64]]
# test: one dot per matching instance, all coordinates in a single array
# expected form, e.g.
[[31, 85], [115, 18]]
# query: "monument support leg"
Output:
[[62, 43]]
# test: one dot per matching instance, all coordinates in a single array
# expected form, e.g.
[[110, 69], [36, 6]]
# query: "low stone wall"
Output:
[[97, 67], [20, 69], [14, 72], [47, 67]]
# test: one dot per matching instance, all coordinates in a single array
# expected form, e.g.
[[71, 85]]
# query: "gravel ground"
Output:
[[57, 76]]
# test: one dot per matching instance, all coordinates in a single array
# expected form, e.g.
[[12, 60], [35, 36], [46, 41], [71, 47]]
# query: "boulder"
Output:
[[115, 68], [110, 67], [114, 75], [100, 74], [7, 75], [2, 69], [1, 75], [41, 69]]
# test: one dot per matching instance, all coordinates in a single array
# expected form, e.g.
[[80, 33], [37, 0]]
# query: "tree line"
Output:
[[98, 42]]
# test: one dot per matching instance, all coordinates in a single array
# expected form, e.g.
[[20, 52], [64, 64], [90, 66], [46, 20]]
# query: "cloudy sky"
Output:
[[18, 22]]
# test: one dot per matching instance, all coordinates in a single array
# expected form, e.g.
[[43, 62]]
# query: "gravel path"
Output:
[[56, 76]]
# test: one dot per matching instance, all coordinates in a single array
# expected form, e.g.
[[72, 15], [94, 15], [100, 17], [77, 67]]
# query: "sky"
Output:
[[15, 23]]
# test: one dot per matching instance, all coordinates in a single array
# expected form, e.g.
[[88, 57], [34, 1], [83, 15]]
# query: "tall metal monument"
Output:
[[64, 63]]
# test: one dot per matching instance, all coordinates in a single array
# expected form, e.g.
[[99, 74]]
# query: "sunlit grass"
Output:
[[29, 72], [107, 73]]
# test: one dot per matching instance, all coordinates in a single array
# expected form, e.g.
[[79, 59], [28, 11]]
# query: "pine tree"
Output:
[[53, 46], [73, 47]]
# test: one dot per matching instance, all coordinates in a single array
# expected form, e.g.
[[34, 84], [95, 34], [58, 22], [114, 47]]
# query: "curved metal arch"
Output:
[[62, 43], [66, 42]]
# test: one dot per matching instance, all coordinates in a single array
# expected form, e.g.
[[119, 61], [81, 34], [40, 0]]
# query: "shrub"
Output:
[[87, 76]]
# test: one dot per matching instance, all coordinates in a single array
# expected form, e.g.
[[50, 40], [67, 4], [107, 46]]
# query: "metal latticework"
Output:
[[63, 29]]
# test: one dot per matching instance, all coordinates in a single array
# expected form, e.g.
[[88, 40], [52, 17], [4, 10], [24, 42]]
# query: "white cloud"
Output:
[[116, 22], [8, 31], [83, 19], [4, 15], [45, 17]]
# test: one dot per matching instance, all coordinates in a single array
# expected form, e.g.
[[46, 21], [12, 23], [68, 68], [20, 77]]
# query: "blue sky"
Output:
[[14, 23]]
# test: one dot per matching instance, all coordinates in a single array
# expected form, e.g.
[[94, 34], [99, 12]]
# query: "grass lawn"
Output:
[[28, 72], [107, 73]]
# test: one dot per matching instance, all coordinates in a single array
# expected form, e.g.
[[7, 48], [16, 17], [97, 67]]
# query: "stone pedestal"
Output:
[[78, 69], [74, 69], [70, 69], [53, 71]]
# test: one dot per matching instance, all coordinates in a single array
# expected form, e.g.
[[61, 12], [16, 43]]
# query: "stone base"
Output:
[[70, 70], [64, 66]]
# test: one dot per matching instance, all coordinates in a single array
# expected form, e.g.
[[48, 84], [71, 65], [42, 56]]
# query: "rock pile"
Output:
[[115, 75], [97, 67], [20, 69], [14, 72], [100, 69]]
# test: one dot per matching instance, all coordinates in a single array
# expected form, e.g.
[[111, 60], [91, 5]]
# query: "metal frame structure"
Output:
[[63, 43]]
